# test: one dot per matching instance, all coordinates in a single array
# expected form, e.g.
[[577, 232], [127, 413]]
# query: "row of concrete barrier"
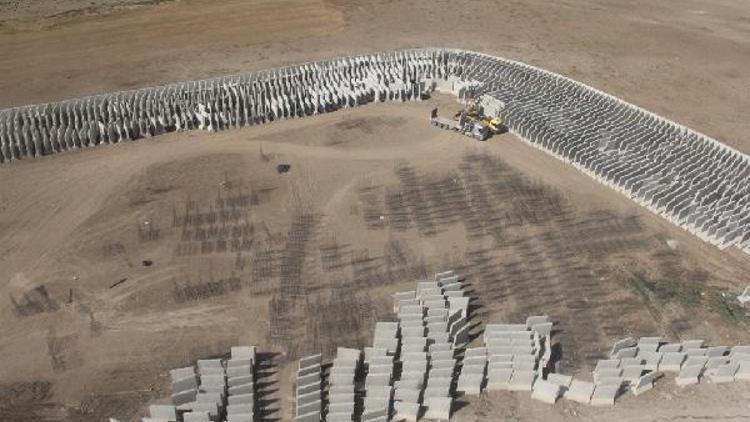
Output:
[[690, 179]]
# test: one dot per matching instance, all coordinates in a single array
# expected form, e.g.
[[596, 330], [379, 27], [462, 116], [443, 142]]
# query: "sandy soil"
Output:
[[686, 60], [303, 261], [314, 264]]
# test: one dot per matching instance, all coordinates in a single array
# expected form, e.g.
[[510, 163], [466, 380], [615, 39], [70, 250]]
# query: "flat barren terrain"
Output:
[[121, 262]]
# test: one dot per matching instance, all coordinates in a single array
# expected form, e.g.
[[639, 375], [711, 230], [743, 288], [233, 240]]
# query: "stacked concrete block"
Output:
[[240, 371], [378, 401], [406, 298], [517, 353], [184, 385], [625, 343], [741, 357], [210, 399], [441, 373], [546, 391], [197, 416], [561, 380], [378, 381], [427, 361], [723, 373], [471, 380], [341, 380], [406, 411], [691, 370], [161, 413], [605, 394], [672, 361], [580, 391], [611, 374], [522, 380], [413, 377], [438, 408], [308, 397], [644, 383], [386, 337]]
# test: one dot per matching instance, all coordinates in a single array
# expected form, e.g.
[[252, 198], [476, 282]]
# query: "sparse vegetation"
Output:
[[660, 292]]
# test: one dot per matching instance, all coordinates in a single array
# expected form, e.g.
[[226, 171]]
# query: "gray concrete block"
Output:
[[307, 408], [672, 361], [406, 411], [543, 329], [716, 362], [213, 380], [605, 395], [310, 417], [184, 397], [689, 375], [560, 379], [627, 352], [580, 391], [341, 398], [372, 415], [440, 373], [310, 361], [717, 351], [440, 347], [546, 391], [239, 371], [438, 408], [607, 364], [377, 380], [743, 371], [241, 389], [313, 378], [309, 388], [234, 363], [185, 384], [308, 398], [241, 418], [499, 379], [408, 395], [180, 373], [240, 409], [243, 352], [522, 381], [241, 399], [380, 370], [622, 344], [607, 373], [670, 348], [167, 412], [644, 383], [196, 417], [632, 373], [692, 344], [235, 381], [724, 373], [309, 370]]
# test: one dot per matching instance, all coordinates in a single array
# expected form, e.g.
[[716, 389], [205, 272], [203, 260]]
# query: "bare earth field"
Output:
[[375, 199]]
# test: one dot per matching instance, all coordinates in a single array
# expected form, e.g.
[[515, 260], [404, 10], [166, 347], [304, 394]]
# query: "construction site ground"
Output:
[[111, 272]]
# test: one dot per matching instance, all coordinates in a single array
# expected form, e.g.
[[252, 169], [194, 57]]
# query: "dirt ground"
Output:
[[375, 199]]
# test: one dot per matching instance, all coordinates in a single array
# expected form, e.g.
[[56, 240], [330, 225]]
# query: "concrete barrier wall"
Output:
[[217, 104], [688, 178]]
